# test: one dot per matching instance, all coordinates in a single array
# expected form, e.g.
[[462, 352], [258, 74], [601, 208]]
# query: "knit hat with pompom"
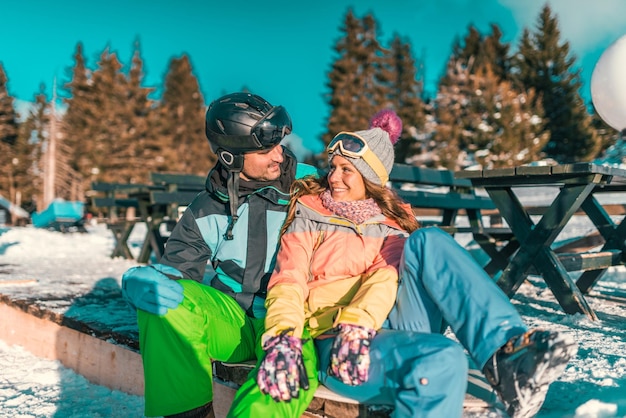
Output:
[[384, 132]]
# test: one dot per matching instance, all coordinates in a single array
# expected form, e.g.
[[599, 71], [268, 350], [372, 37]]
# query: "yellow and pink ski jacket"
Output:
[[330, 270]]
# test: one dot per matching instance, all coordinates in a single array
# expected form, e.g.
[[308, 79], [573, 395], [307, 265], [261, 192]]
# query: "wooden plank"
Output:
[[586, 261], [617, 185], [450, 200], [426, 176], [188, 180], [499, 233], [611, 209], [105, 202], [580, 244], [499, 172], [181, 198], [117, 187], [588, 168], [468, 174], [533, 170]]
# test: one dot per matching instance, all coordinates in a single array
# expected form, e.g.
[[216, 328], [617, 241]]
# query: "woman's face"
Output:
[[345, 181]]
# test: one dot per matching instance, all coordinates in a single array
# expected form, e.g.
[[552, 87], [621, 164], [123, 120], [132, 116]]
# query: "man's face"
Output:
[[262, 165]]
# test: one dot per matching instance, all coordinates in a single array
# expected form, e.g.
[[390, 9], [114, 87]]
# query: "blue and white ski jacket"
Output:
[[240, 267]]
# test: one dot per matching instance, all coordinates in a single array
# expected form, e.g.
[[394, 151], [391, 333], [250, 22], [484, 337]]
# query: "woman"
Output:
[[336, 272], [335, 281]]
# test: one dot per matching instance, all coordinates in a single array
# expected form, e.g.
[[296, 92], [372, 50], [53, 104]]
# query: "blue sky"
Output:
[[280, 49]]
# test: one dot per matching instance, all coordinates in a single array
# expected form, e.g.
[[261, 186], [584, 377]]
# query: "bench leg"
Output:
[[121, 234], [154, 242], [535, 241], [613, 234]]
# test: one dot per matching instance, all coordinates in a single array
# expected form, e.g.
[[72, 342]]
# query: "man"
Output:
[[205, 299]]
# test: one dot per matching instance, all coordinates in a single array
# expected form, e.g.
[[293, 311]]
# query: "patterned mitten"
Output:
[[282, 373], [350, 354]]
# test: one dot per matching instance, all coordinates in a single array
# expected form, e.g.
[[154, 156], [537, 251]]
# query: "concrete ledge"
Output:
[[105, 359], [101, 362]]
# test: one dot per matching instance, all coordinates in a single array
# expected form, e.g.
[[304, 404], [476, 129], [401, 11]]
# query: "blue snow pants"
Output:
[[415, 368]]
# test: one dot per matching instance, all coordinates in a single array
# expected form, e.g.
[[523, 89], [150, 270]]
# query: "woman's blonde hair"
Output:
[[386, 199]]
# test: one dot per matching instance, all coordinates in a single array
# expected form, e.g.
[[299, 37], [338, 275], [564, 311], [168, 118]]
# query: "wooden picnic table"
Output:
[[531, 252], [157, 205]]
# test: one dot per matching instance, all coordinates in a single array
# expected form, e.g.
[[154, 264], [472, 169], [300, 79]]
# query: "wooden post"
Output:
[[50, 162]]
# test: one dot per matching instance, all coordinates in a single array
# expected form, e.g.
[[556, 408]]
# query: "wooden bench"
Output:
[[114, 198], [427, 190], [161, 204], [176, 188], [120, 210], [326, 403], [440, 190], [155, 204]]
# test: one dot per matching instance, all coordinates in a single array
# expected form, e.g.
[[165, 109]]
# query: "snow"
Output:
[[56, 264]]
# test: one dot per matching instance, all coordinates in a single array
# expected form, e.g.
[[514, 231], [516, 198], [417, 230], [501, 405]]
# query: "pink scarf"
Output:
[[357, 211]]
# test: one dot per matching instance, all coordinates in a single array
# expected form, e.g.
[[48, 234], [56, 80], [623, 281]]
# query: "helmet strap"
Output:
[[234, 164], [233, 198]]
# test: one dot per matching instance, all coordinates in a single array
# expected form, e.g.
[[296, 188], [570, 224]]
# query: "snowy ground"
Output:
[[33, 260]]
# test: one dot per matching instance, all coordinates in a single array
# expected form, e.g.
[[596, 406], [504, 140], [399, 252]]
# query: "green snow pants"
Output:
[[177, 349]]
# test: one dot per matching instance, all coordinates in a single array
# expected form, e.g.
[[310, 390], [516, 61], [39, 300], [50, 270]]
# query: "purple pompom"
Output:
[[388, 121]]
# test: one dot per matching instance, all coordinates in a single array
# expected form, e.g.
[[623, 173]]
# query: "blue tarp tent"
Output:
[[60, 215]]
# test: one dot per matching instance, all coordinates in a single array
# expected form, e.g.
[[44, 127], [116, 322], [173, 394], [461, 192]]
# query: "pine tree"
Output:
[[138, 115], [374, 61], [8, 138], [452, 112], [8, 120], [497, 53], [28, 154], [469, 49], [79, 121], [510, 131], [109, 122], [545, 64], [460, 112], [483, 119], [180, 125], [112, 132], [342, 78], [477, 50], [405, 91], [355, 90]]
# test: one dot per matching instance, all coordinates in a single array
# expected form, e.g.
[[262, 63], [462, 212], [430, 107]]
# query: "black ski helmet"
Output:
[[242, 122]]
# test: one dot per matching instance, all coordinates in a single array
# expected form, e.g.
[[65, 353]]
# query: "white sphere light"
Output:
[[608, 85]]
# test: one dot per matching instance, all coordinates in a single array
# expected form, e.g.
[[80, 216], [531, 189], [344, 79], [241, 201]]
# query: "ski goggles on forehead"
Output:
[[354, 146], [272, 128], [351, 145]]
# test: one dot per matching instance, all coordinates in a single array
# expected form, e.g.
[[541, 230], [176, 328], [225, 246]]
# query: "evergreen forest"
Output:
[[497, 105]]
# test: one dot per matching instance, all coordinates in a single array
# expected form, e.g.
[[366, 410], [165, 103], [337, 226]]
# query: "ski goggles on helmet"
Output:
[[272, 128], [354, 146]]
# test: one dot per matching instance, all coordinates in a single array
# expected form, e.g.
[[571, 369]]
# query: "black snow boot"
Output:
[[523, 369]]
